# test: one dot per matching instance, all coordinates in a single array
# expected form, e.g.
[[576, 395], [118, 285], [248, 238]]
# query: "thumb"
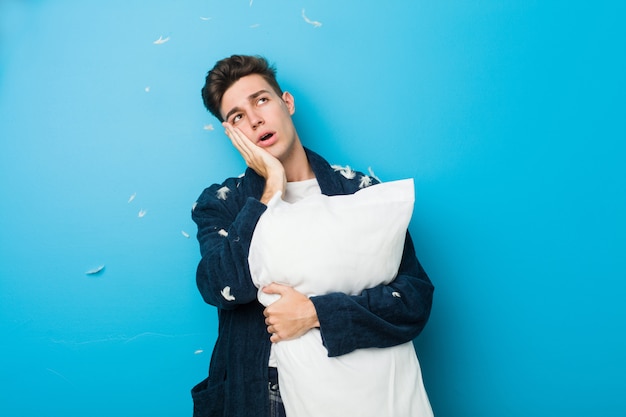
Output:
[[274, 288]]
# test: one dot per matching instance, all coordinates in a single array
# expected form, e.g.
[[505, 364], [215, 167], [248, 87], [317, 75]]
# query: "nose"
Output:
[[255, 120]]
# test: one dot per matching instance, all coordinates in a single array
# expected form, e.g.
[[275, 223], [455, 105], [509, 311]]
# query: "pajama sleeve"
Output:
[[226, 223]]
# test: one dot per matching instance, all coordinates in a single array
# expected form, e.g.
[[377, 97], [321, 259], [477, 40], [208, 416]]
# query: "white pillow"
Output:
[[324, 244], [347, 243]]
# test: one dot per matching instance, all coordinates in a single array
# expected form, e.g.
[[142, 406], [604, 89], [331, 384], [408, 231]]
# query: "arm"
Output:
[[383, 316], [224, 233]]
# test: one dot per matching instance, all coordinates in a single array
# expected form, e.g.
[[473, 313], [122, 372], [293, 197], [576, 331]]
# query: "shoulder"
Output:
[[220, 191], [335, 179], [230, 193], [356, 178]]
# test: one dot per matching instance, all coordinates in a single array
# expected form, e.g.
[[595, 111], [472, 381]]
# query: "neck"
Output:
[[297, 167]]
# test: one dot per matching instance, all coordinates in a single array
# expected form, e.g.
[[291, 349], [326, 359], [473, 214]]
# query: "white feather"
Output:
[[221, 193], [161, 40], [315, 23], [222, 232], [227, 295], [132, 197], [141, 213], [185, 234], [371, 171], [345, 171], [366, 181], [95, 270]]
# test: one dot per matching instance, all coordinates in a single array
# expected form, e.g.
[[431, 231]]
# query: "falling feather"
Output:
[[348, 172], [95, 270], [227, 295], [208, 127], [197, 352], [161, 40], [185, 234], [205, 18], [371, 171], [141, 213], [147, 89], [222, 232], [221, 193], [345, 171], [366, 181], [256, 25], [251, 1], [315, 23], [132, 197], [194, 205]]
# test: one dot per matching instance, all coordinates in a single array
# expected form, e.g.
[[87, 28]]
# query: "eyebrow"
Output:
[[250, 98]]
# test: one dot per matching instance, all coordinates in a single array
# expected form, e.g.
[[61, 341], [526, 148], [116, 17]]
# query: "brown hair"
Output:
[[227, 72]]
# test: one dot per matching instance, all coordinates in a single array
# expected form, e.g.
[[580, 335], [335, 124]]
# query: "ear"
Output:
[[290, 102]]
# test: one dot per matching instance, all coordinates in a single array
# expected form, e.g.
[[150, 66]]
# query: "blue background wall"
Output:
[[510, 115]]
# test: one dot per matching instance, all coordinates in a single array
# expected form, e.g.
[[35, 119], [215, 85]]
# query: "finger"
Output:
[[274, 288], [234, 135], [274, 336], [241, 139], [238, 140]]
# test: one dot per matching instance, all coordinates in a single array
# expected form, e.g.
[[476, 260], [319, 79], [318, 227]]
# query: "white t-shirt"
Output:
[[298, 190]]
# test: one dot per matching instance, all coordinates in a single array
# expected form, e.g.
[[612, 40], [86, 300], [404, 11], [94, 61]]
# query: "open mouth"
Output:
[[266, 137]]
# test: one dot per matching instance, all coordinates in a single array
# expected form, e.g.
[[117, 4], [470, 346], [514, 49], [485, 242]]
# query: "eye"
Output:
[[236, 118], [262, 100]]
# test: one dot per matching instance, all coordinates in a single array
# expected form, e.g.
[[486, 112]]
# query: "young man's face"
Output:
[[251, 105]]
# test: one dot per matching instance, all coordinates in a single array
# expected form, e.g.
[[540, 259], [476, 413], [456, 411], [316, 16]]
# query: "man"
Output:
[[242, 92]]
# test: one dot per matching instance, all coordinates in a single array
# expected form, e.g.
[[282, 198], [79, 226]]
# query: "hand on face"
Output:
[[261, 161]]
